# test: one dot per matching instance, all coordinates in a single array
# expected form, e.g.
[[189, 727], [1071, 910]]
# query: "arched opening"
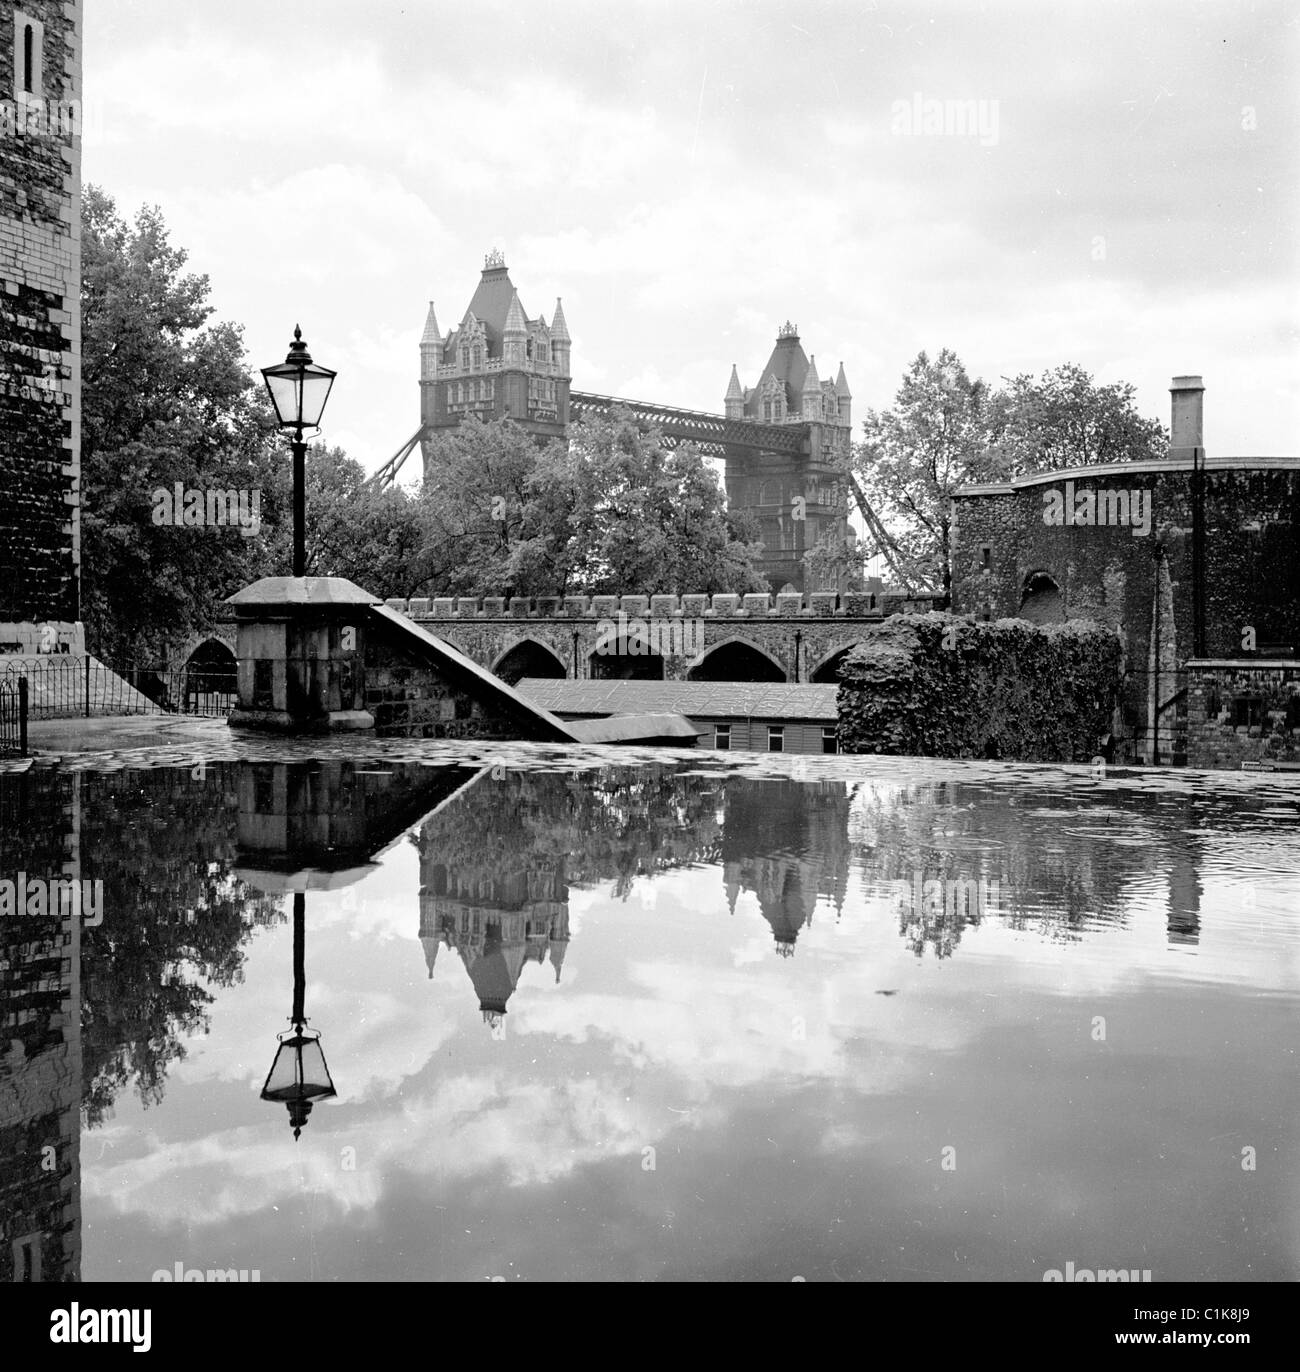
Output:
[[209, 682], [625, 659], [736, 662], [828, 673], [528, 658], [1041, 601]]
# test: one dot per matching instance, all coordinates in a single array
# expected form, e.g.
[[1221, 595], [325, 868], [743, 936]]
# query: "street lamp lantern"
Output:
[[299, 389], [299, 1077]]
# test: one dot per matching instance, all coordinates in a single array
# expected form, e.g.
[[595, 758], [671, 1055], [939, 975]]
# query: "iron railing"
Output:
[[13, 717], [67, 687]]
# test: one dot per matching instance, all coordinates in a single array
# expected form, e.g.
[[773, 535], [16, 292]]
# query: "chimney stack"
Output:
[[1186, 428]]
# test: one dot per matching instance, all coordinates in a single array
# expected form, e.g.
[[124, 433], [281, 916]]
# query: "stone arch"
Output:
[[528, 657], [1041, 601], [221, 633], [612, 660], [736, 659], [827, 671], [207, 682]]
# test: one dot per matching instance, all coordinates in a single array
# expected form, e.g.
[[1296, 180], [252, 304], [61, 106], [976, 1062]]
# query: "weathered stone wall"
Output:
[[798, 633], [1110, 572], [1241, 711], [940, 686], [407, 696], [40, 292]]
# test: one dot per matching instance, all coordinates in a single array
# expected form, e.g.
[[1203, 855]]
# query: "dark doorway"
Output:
[[1041, 601]]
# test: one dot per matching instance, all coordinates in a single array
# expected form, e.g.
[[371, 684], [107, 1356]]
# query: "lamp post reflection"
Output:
[[299, 1076]]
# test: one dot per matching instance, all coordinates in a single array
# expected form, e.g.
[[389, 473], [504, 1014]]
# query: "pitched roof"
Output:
[[491, 304], [789, 364], [734, 391], [694, 699]]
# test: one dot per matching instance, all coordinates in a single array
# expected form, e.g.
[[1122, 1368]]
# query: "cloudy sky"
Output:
[[688, 175]]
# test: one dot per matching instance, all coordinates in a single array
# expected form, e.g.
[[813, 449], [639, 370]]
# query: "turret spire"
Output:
[[559, 329], [734, 391], [431, 336]]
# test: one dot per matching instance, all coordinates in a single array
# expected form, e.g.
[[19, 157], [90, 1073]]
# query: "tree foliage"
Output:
[[166, 399], [613, 511], [946, 430]]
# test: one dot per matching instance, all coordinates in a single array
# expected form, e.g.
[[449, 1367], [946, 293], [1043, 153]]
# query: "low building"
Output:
[[749, 716]]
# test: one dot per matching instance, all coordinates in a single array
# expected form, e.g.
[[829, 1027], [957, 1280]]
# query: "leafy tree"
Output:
[[914, 456], [166, 399], [615, 510], [374, 537], [1065, 419]]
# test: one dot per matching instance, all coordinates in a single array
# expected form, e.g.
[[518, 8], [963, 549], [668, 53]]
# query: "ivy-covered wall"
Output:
[[939, 686]]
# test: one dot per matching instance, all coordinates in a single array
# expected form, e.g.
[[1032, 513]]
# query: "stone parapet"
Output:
[[788, 605]]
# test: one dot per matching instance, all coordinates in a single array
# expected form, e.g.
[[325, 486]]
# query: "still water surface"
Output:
[[655, 1018]]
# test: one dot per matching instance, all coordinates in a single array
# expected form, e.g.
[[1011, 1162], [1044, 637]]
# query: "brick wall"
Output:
[[1240, 711], [40, 273]]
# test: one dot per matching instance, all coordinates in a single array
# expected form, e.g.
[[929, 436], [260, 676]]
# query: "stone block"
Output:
[[444, 607], [397, 603], [494, 605], [634, 606], [727, 604], [822, 603], [467, 605], [757, 603], [548, 606], [604, 606], [418, 606], [789, 603], [695, 606], [520, 605], [858, 604], [577, 604], [662, 606]]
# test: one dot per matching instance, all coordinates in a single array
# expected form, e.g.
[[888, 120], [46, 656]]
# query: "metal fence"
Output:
[[67, 687], [13, 717]]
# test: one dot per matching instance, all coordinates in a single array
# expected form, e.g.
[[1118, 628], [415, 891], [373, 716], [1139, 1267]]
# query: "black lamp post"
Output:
[[299, 390], [299, 1077]]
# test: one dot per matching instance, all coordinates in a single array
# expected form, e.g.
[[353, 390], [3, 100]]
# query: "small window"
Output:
[[830, 739], [1248, 711], [722, 737], [986, 557], [478, 356], [263, 691], [776, 738], [28, 56]]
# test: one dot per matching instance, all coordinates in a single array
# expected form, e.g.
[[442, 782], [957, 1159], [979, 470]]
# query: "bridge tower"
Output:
[[497, 364], [796, 497]]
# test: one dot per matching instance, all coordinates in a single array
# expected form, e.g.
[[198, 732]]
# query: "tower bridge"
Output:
[[783, 441]]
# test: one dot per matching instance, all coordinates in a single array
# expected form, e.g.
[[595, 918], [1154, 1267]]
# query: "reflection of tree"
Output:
[[1048, 859], [174, 921]]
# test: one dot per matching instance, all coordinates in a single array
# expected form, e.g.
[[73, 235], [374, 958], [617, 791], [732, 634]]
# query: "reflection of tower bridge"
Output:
[[783, 440], [785, 842]]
